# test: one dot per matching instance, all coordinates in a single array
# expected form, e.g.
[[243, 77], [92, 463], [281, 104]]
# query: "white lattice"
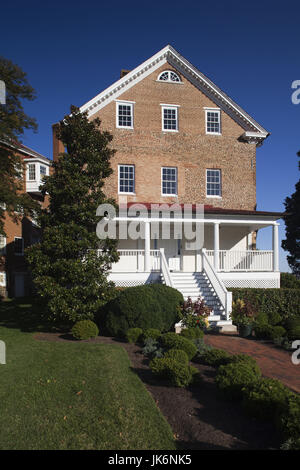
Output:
[[131, 282], [252, 283]]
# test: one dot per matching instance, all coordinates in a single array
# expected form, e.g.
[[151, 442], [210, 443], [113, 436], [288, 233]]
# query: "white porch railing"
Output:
[[165, 269], [248, 260], [134, 261], [224, 295]]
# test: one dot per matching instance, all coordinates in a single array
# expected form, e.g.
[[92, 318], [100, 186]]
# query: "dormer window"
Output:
[[169, 76]]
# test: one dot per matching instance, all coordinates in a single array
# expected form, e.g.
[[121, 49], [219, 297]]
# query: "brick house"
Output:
[[14, 278], [181, 140]]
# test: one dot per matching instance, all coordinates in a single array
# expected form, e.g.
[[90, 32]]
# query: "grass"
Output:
[[71, 395]]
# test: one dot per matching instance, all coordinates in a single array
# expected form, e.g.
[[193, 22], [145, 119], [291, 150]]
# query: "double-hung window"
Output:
[[31, 171], [124, 114], [213, 183], [43, 171], [126, 179], [213, 121], [169, 118], [168, 181], [19, 246]]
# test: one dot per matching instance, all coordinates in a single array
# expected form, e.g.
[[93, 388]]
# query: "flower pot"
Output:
[[245, 330]]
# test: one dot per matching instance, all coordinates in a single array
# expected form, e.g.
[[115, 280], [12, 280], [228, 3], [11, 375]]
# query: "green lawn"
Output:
[[71, 395]]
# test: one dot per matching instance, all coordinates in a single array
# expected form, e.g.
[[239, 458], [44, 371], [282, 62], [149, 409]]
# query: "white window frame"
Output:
[[169, 77], [176, 173], [216, 196], [35, 172], [217, 111], [125, 103], [119, 167], [2, 245], [19, 254], [171, 107]]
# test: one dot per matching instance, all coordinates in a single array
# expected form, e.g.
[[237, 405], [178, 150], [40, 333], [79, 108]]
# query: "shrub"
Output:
[[152, 333], [201, 349], [147, 306], [233, 377], [178, 355], [178, 374], [277, 304], [293, 443], [85, 329], [263, 398], [242, 358], [288, 416], [196, 376], [278, 332], [293, 328], [289, 281], [192, 333], [263, 331], [175, 341], [214, 357], [152, 348], [133, 335]]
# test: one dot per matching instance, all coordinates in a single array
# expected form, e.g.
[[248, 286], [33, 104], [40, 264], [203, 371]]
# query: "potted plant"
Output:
[[243, 316], [195, 314]]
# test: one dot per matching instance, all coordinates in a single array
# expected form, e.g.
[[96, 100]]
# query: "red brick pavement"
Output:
[[274, 362]]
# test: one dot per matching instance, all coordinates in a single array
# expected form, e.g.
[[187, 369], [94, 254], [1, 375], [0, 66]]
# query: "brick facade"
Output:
[[190, 149]]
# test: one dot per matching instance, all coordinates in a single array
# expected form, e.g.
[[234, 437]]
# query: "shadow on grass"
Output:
[[25, 314]]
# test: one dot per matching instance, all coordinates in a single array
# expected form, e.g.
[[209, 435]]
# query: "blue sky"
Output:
[[71, 51]]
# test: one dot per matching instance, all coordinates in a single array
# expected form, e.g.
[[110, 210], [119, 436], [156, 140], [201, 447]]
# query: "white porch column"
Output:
[[147, 247], [216, 245], [275, 248]]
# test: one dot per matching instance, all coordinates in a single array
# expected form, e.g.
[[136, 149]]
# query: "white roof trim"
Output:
[[169, 54]]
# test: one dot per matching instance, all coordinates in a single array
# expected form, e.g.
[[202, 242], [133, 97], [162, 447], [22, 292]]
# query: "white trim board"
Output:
[[169, 55]]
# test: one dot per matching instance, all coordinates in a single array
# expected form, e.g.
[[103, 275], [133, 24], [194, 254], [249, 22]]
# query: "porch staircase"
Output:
[[197, 285]]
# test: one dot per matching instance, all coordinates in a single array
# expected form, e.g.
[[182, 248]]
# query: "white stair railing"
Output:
[[165, 269], [223, 294]]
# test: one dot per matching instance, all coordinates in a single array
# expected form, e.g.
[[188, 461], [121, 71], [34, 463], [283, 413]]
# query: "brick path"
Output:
[[274, 362]]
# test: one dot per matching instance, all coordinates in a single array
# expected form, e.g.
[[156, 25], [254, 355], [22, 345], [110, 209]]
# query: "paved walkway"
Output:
[[274, 362]]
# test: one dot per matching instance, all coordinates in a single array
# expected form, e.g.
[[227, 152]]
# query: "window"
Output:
[[2, 245], [43, 171], [213, 121], [31, 172], [169, 76], [125, 114], [126, 179], [168, 181], [213, 183], [19, 246], [170, 118]]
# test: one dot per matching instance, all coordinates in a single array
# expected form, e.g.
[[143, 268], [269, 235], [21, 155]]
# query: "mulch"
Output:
[[200, 418]]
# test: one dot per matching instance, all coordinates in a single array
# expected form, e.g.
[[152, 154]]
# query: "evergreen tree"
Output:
[[68, 273], [292, 229], [13, 121]]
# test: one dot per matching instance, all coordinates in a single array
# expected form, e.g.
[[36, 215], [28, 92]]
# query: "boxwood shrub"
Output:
[[85, 329], [288, 416], [175, 341], [192, 333], [134, 335], [233, 377], [277, 304], [152, 333], [263, 398], [177, 373], [293, 328], [148, 306], [178, 355], [214, 357]]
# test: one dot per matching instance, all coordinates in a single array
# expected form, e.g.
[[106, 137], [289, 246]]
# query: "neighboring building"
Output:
[[180, 139], [14, 278]]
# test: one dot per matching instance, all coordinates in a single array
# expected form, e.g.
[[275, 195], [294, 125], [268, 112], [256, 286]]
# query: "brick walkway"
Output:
[[274, 362]]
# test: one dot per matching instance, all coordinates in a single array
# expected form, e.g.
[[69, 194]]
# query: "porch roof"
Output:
[[208, 209]]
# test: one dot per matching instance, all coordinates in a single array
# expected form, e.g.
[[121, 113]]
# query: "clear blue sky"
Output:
[[251, 50]]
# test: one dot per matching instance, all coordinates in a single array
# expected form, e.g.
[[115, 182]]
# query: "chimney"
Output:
[[124, 72], [58, 146]]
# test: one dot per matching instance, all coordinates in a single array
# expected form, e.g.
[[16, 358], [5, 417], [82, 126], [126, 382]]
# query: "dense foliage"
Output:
[[134, 335], [13, 122], [233, 377], [289, 281], [69, 273], [174, 341], [147, 306], [292, 228], [85, 329]]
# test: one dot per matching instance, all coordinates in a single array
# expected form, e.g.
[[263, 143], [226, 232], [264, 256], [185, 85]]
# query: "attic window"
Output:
[[169, 76]]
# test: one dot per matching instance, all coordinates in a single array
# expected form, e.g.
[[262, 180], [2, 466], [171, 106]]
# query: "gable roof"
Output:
[[254, 132]]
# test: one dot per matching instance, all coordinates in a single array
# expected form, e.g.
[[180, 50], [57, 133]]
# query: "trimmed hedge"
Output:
[[85, 329], [134, 335], [152, 333], [148, 306], [277, 304], [289, 281], [233, 377], [192, 333], [214, 357], [174, 341], [177, 373], [178, 355]]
